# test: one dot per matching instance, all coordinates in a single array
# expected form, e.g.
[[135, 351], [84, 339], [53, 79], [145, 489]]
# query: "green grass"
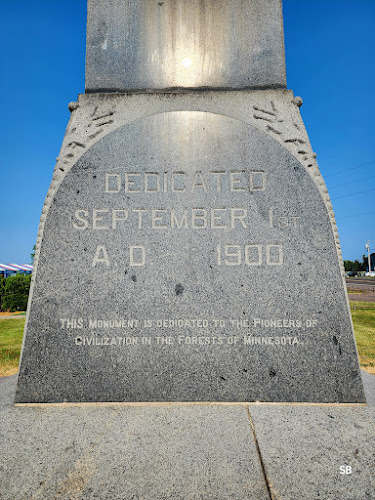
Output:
[[364, 328], [358, 304], [11, 332]]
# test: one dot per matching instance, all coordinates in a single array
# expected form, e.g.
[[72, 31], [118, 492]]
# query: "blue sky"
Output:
[[330, 58]]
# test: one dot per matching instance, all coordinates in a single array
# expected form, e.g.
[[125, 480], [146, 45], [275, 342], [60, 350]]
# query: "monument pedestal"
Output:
[[188, 251]]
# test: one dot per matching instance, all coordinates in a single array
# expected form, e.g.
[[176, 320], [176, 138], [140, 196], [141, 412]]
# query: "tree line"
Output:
[[356, 266], [14, 292]]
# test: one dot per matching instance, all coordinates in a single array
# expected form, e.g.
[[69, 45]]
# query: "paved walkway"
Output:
[[187, 451]]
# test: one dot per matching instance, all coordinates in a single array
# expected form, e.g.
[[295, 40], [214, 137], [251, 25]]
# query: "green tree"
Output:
[[348, 264], [16, 292], [2, 291], [356, 266], [32, 255]]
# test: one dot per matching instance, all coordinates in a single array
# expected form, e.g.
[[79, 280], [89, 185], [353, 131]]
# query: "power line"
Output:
[[353, 215], [351, 168], [352, 194], [350, 183]]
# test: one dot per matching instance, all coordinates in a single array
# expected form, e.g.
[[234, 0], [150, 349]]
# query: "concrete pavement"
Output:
[[187, 451]]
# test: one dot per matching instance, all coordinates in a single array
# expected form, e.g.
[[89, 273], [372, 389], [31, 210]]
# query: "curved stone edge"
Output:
[[283, 121], [274, 112]]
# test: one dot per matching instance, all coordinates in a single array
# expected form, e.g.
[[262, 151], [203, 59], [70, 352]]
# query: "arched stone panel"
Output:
[[187, 256]]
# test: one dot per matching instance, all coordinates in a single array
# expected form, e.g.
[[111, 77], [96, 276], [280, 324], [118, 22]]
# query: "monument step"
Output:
[[186, 451]]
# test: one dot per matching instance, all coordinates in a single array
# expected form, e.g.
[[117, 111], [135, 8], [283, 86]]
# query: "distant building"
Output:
[[13, 269]]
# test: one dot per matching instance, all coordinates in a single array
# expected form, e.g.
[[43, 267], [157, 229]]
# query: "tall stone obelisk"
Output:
[[187, 249]]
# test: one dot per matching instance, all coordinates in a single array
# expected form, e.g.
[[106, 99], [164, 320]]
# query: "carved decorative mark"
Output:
[[70, 149], [98, 120], [288, 130], [75, 144], [99, 117], [309, 159], [78, 137], [271, 115], [104, 116], [92, 136]]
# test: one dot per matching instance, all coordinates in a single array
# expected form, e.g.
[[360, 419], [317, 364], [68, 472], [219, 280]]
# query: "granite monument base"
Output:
[[188, 252]]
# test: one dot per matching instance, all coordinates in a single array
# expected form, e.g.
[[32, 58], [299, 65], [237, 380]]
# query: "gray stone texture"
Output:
[[303, 448], [151, 45], [187, 452], [140, 452], [187, 274]]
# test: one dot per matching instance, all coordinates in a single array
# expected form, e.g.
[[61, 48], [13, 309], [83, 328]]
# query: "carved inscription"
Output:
[[250, 323], [103, 219], [184, 182], [205, 326], [128, 187], [182, 340], [249, 255], [140, 202]]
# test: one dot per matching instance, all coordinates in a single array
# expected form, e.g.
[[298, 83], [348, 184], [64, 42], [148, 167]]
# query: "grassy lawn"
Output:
[[364, 327], [11, 331]]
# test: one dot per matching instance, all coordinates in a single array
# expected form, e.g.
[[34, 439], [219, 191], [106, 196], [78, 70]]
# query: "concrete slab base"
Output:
[[317, 452], [187, 451]]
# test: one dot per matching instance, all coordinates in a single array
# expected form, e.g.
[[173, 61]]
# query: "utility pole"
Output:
[[367, 246]]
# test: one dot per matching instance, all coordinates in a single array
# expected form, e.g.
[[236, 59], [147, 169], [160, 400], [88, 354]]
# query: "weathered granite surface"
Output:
[[188, 252], [140, 452], [306, 450], [151, 45], [187, 452]]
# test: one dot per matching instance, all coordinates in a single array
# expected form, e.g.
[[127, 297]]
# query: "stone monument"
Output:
[[187, 249]]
